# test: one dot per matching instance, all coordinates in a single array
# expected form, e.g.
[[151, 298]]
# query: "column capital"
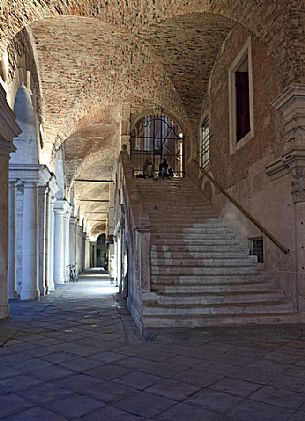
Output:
[[24, 172], [73, 220], [30, 184], [8, 126], [61, 205], [6, 147]]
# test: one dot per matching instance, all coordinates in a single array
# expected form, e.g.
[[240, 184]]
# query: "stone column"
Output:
[[72, 240], [18, 235], [79, 249], [29, 289], [8, 130], [50, 242], [88, 248], [66, 239], [59, 243], [93, 254], [12, 293], [84, 250], [4, 156], [42, 191]]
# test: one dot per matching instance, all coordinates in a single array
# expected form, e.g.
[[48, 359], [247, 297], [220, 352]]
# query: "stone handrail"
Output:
[[138, 222], [242, 209]]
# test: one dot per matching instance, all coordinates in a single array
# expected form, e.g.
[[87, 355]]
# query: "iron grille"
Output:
[[205, 143], [156, 137], [257, 249]]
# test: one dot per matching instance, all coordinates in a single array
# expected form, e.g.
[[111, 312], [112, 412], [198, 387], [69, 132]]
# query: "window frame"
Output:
[[246, 51]]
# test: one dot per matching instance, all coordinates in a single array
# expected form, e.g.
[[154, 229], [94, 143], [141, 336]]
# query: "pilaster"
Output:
[[50, 241], [292, 164], [73, 240], [30, 288], [60, 210], [12, 293], [42, 211]]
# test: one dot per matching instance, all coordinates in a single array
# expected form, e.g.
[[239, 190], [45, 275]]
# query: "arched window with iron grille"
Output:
[[155, 137]]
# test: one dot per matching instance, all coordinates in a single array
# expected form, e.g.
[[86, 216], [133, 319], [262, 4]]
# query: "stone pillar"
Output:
[[72, 240], [79, 256], [50, 242], [66, 239], [42, 191], [29, 288], [84, 250], [4, 309], [119, 258], [12, 293], [88, 248], [18, 235], [93, 254], [8, 130], [59, 243]]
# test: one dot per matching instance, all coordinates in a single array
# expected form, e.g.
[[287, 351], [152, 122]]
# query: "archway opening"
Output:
[[156, 137]]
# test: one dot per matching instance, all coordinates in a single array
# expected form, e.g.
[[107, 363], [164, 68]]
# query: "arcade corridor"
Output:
[[76, 354]]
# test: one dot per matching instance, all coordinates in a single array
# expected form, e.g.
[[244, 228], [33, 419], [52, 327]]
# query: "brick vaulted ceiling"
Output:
[[95, 55], [86, 65]]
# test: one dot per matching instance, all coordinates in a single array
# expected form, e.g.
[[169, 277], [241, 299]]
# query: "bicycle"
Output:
[[72, 273]]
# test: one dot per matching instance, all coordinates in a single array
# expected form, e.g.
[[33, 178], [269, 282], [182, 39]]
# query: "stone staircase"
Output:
[[200, 274]]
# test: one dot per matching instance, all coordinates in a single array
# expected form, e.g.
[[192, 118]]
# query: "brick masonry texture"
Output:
[[88, 58]]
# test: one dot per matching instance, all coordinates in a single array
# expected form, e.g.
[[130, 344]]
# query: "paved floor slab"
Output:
[[76, 354]]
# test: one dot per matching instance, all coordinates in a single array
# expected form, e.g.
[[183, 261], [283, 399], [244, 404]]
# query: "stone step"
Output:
[[183, 222], [224, 308], [210, 279], [230, 320], [194, 242], [215, 289], [220, 247], [201, 262], [211, 270], [194, 236], [228, 298], [204, 229], [194, 254], [168, 219]]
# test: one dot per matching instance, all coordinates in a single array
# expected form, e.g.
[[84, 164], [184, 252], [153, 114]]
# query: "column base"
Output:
[[42, 291], [29, 295], [4, 311], [12, 295], [60, 282]]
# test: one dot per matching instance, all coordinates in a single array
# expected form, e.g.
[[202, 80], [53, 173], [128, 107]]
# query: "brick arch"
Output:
[[269, 21], [145, 111]]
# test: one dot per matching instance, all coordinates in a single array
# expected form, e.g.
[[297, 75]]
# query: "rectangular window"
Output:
[[241, 98], [257, 248]]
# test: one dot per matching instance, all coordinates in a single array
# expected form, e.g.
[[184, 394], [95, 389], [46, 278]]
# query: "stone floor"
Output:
[[76, 355]]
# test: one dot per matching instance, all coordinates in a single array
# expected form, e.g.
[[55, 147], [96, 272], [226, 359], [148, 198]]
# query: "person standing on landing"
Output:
[[163, 169]]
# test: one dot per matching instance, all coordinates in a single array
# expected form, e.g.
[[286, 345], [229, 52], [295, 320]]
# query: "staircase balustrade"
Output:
[[196, 166], [137, 223]]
